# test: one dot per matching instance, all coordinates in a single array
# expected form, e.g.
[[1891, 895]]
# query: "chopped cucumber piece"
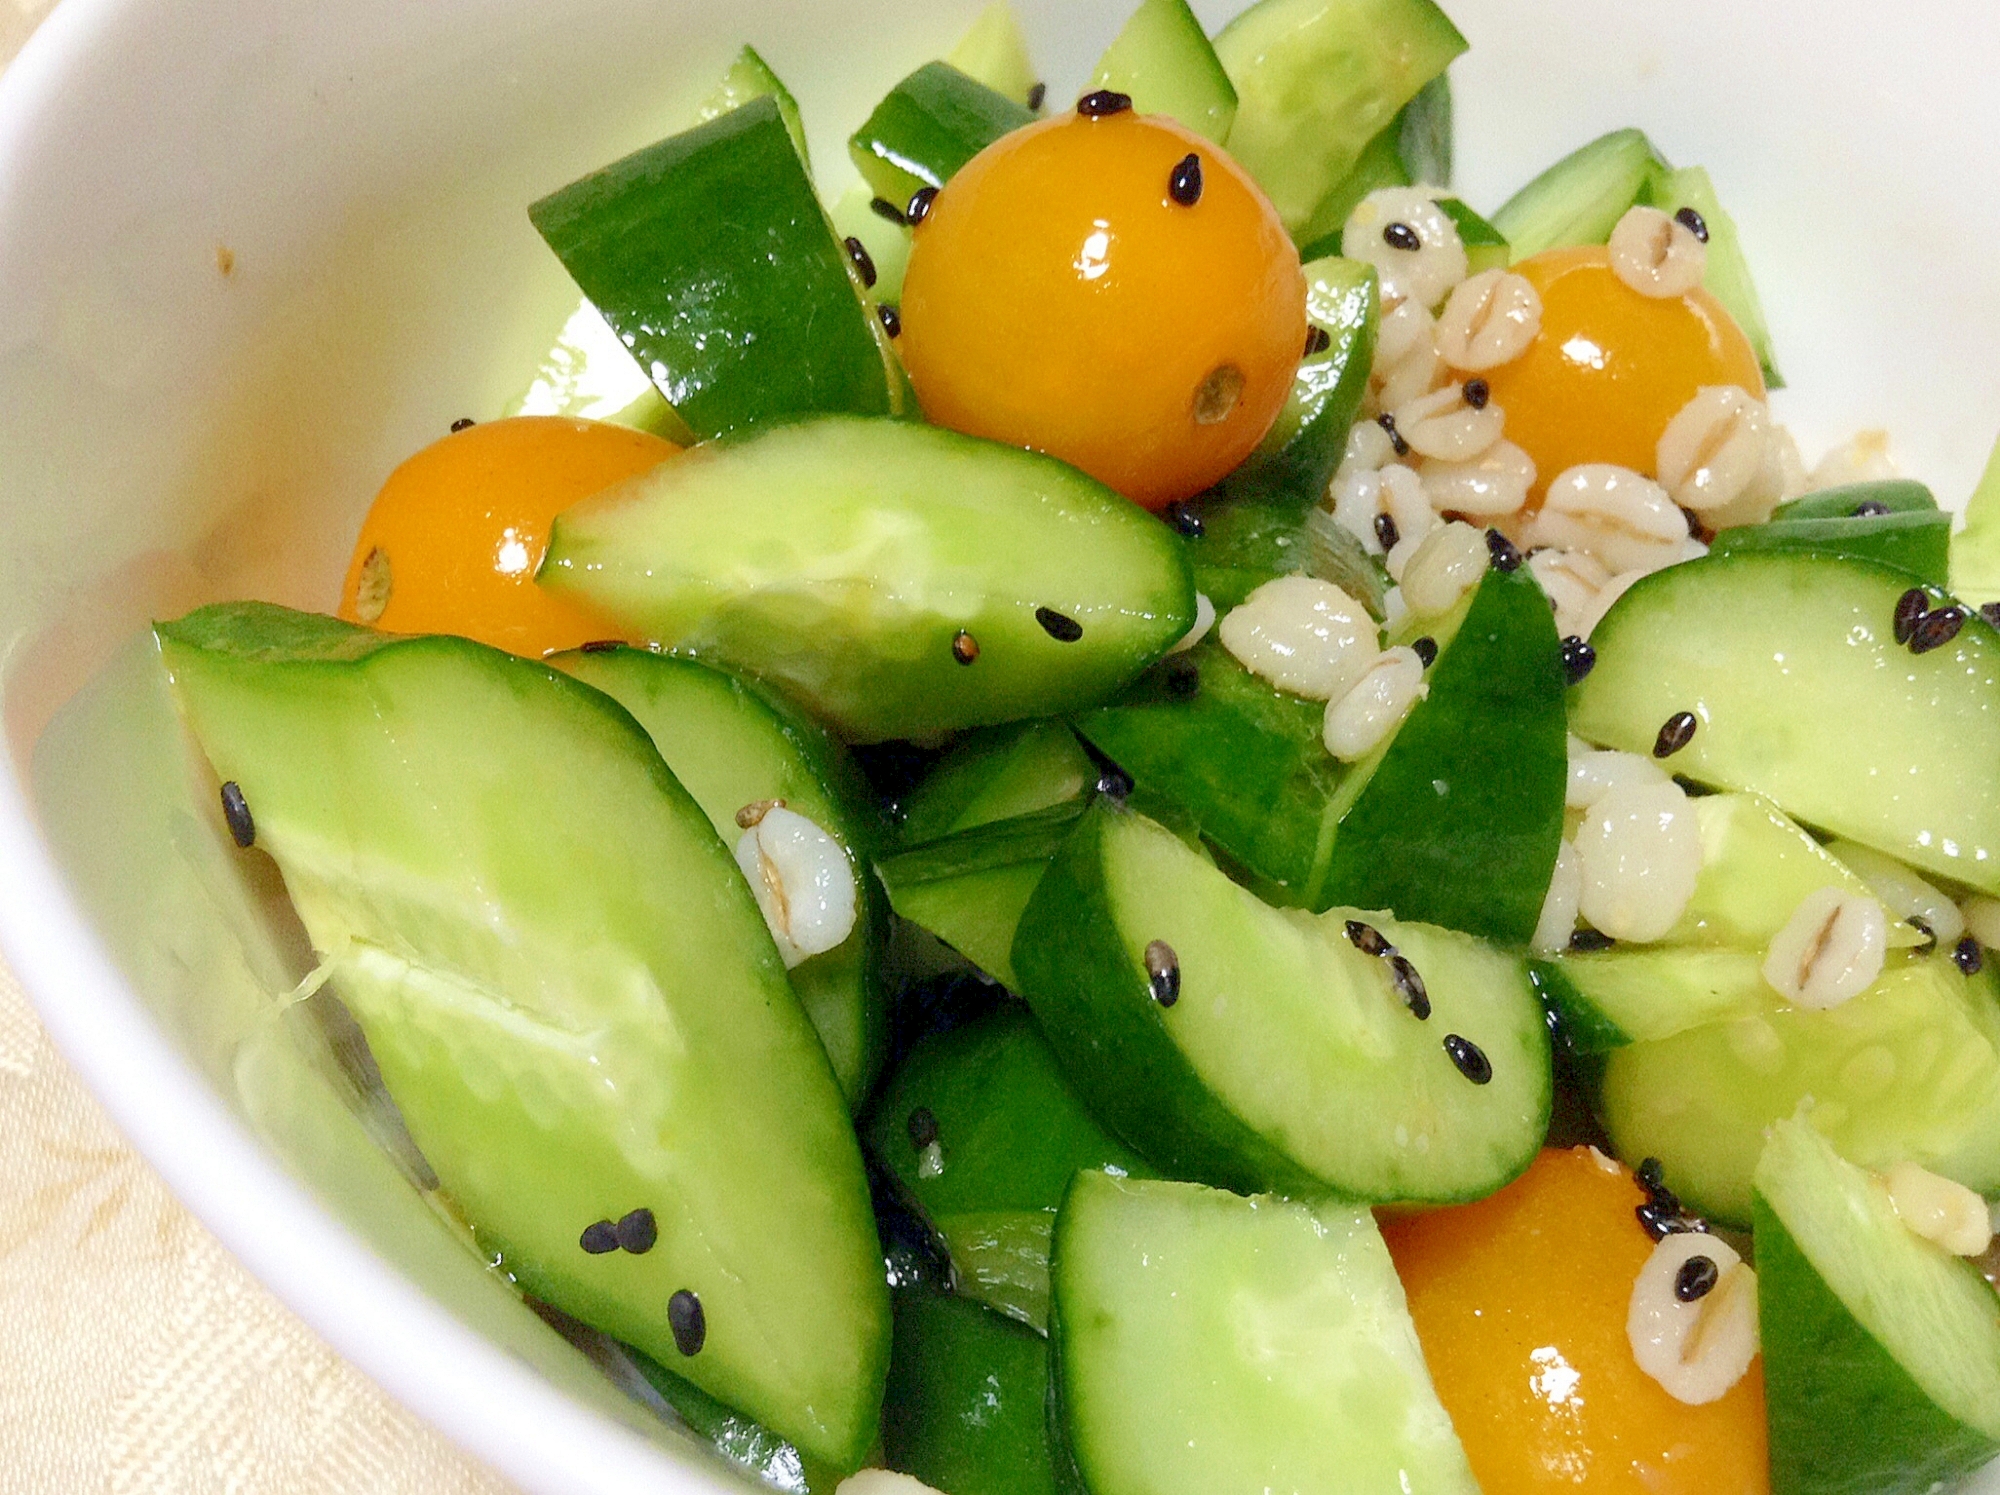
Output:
[[1789, 664], [1486, 248], [1455, 820], [1282, 1055], [996, 775], [1304, 445], [1727, 277], [718, 230], [1907, 1070], [732, 743], [899, 579], [1009, 1132], [928, 126], [1914, 540], [887, 241], [1896, 495], [1208, 1345], [1415, 146], [1605, 1001], [1251, 532], [750, 77], [1163, 61], [748, 1445], [1881, 1352], [1975, 550], [569, 990], [994, 51], [1317, 79], [589, 374], [1580, 199], [966, 1405], [1424, 133]]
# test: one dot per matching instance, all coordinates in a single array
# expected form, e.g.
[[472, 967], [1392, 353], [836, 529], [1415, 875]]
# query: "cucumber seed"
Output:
[[1401, 236], [964, 647], [1502, 552], [1386, 534], [1103, 103], [1967, 956], [1426, 649], [1870, 508], [1217, 395], [1058, 626], [599, 1239], [892, 320], [637, 1232], [923, 1126], [688, 1322], [1038, 95], [1368, 939], [1910, 609], [1469, 1057], [236, 811], [1163, 973], [864, 262], [1184, 186], [1590, 941], [463, 423], [1578, 659], [1410, 987], [1696, 1279], [1388, 423], [920, 205], [1476, 393], [1935, 629], [1318, 340], [883, 208], [1675, 733], [1693, 222]]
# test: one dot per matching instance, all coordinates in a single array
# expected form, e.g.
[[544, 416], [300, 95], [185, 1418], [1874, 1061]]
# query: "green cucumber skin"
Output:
[[1827, 1379], [1253, 532], [927, 127], [1415, 146], [997, 774], [1913, 540], [965, 1410], [1975, 549], [1605, 1001], [1163, 62], [1897, 495], [746, 1444], [1486, 248], [1305, 444], [1424, 133], [709, 252], [840, 558], [1579, 1024], [750, 77], [1580, 199], [1788, 663], [387, 778], [731, 742]]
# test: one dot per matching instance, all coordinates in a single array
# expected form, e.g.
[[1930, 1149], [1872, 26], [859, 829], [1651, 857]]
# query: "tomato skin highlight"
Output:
[[1610, 366], [1070, 290], [452, 542], [1520, 1303]]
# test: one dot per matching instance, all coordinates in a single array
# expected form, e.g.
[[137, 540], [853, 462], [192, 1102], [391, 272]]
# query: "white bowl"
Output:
[[170, 434]]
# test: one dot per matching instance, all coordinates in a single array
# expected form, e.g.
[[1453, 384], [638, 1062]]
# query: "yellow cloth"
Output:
[[136, 1356]]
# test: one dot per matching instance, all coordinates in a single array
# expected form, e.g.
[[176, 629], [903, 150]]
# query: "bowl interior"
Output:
[[253, 255]]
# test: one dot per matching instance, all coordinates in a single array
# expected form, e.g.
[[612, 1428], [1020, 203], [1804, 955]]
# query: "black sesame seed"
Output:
[[1936, 628], [463, 423], [1410, 987], [1368, 939], [920, 205], [923, 1128], [638, 1231], [1163, 973], [1696, 529], [1923, 927], [599, 1239], [1578, 659], [1183, 678], [1037, 96], [1696, 1279], [1477, 393], [1186, 520], [1990, 611], [1652, 1175], [603, 645], [1184, 185], [1318, 340], [964, 647], [1386, 533], [892, 320], [688, 1322], [883, 208], [1502, 552], [1675, 733], [1968, 956], [864, 262], [1693, 222], [1426, 650], [1103, 103], [1388, 423], [1870, 508], [1470, 1058], [1400, 235], [1910, 609], [1058, 626], [1115, 783], [1590, 941], [236, 811]]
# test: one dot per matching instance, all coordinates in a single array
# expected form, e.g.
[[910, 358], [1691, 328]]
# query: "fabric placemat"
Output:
[[136, 1355]]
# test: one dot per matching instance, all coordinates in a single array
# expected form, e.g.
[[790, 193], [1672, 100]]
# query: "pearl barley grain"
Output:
[[1490, 320], [1626, 521], [1357, 722], [1449, 563], [1303, 635], [1657, 255], [1489, 486], [1424, 274], [1830, 950], [1640, 849], [1715, 448], [1699, 1347]]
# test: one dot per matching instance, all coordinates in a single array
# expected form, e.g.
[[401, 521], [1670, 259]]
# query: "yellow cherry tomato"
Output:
[[1610, 366], [1112, 290], [454, 537], [1520, 1302]]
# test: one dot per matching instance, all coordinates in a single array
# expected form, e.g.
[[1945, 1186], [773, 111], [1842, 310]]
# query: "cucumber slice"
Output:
[[750, 77], [1906, 1070], [1727, 277], [1897, 495], [1486, 248], [1789, 664], [1304, 445], [887, 241], [1415, 146], [1580, 199], [1316, 80], [748, 1445], [1208, 1345], [1917, 541], [1881, 1352], [590, 375], [1975, 550], [899, 579], [1162, 60], [994, 51], [569, 990], [1009, 1132], [719, 228], [996, 775], [1288, 1059], [1424, 133], [967, 1398], [928, 126], [1250, 532], [1423, 827], [1605, 1001], [731, 743]]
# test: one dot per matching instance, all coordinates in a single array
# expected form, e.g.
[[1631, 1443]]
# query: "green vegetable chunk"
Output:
[[1881, 1352], [1209, 1345], [748, 1445], [898, 579], [928, 126], [1415, 146], [998, 774], [967, 1389], [1914, 540], [994, 51], [1163, 62], [1975, 550], [1252, 1048], [710, 255], [731, 743], [570, 993], [1580, 199]]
